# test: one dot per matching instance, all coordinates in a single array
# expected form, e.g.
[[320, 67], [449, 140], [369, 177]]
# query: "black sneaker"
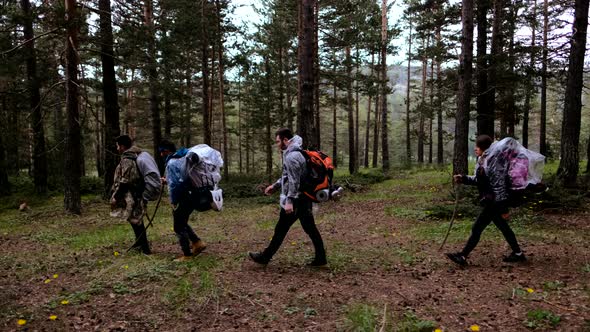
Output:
[[458, 258], [515, 257], [258, 258], [318, 263]]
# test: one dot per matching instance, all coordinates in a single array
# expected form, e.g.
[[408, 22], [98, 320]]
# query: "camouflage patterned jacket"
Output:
[[127, 188]]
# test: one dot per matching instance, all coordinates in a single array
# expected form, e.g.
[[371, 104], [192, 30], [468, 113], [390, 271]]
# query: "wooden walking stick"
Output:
[[456, 191]]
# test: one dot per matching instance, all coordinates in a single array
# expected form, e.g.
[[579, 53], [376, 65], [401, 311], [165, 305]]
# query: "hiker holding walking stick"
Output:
[[493, 197]]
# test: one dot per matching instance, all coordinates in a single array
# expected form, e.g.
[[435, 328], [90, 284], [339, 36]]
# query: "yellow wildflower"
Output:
[[64, 302], [438, 330], [55, 276], [293, 243], [474, 328], [47, 281], [52, 317], [116, 253], [530, 290], [126, 266], [21, 322]]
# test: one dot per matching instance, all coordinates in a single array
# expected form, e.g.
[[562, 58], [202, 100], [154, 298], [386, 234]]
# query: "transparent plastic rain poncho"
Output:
[[206, 171], [510, 163]]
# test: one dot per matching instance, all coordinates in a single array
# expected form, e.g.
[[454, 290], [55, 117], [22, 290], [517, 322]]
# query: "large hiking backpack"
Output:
[[316, 184], [521, 168], [150, 175], [202, 166]]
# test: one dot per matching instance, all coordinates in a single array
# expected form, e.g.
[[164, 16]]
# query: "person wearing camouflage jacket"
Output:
[[128, 186]]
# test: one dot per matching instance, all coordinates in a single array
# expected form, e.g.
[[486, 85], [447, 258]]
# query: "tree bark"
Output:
[[464, 94], [496, 64], [350, 112], [39, 153], [152, 73], [368, 125], [316, 77], [543, 125], [530, 86], [305, 119], [384, 121], [268, 108], [4, 183], [205, 73], [334, 115], [221, 93], [485, 111], [110, 95], [422, 107], [72, 151], [572, 110], [408, 101]]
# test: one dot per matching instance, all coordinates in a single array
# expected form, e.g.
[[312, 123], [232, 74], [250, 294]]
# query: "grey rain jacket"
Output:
[[294, 169]]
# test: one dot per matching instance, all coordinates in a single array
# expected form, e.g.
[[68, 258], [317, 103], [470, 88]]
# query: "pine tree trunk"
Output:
[[72, 151], [356, 112], [187, 111], [408, 101], [510, 111], [439, 115], [530, 86], [430, 113], [39, 153], [368, 125], [305, 119], [377, 122], [152, 73], [485, 111], [464, 93], [205, 73], [572, 110], [422, 106], [495, 62], [239, 96], [350, 112], [384, 121], [316, 77], [334, 116], [282, 114], [4, 183], [226, 161], [110, 95], [268, 108], [167, 105], [543, 125]]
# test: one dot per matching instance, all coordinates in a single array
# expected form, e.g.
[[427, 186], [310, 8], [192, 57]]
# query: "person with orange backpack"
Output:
[[294, 203]]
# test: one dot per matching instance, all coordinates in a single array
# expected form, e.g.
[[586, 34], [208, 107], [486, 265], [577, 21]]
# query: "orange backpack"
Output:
[[317, 182]]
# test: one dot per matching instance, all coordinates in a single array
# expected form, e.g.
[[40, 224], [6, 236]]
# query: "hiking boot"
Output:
[[181, 259], [514, 257], [198, 247], [258, 258], [457, 258], [319, 263]]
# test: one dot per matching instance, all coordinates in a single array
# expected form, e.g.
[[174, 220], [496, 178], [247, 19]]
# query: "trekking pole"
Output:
[[150, 220], [456, 191]]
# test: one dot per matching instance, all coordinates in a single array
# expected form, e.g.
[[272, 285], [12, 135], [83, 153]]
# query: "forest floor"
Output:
[[386, 272]]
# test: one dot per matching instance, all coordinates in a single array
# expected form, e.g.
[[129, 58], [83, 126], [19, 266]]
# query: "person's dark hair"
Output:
[[124, 140], [284, 133], [166, 145], [483, 142]]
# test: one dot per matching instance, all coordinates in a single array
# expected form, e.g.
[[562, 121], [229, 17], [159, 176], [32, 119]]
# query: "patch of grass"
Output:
[[541, 319], [361, 318], [405, 256], [266, 224], [586, 268], [405, 213], [100, 237], [411, 323], [180, 293], [553, 285]]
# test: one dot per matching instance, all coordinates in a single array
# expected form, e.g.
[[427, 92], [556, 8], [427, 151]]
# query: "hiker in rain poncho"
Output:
[[491, 179], [183, 199], [128, 199], [293, 204]]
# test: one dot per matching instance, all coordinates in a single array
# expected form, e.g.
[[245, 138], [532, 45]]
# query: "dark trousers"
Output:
[[183, 231], [141, 241], [490, 213], [302, 211]]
